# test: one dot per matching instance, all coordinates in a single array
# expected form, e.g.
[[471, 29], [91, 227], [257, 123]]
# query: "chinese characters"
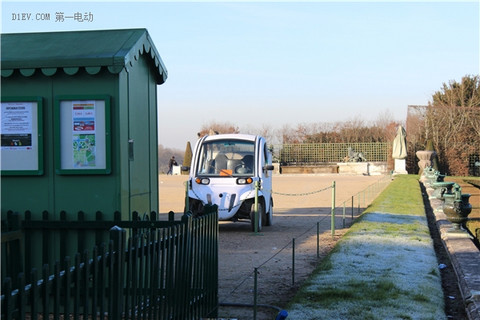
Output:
[[77, 16]]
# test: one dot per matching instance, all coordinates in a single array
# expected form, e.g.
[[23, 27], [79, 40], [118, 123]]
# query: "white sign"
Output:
[[16, 129]]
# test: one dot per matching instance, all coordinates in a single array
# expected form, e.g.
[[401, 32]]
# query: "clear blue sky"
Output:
[[257, 64]]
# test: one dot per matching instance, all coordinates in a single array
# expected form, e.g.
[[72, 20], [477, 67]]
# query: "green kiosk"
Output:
[[79, 123]]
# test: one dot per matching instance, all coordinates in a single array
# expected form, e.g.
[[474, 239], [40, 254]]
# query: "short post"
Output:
[[353, 205], [333, 209], [256, 206], [293, 261], [343, 215], [255, 293], [318, 240]]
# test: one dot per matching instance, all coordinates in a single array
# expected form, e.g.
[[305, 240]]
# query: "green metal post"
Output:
[[256, 206], [333, 209], [255, 294], [353, 205], [293, 261]]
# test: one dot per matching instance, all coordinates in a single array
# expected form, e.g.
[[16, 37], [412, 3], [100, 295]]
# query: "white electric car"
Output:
[[224, 171]]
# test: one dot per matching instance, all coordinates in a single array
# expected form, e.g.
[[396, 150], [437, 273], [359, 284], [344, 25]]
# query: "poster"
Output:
[[83, 134], [16, 125], [82, 128], [21, 130]]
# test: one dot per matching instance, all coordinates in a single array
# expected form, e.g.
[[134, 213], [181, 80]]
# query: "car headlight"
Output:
[[244, 180], [202, 180]]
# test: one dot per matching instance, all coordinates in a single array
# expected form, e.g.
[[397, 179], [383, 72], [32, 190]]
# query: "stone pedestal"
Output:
[[425, 159], [353, 168], [400, 167]]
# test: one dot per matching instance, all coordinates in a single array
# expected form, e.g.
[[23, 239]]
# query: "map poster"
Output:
[[16, 125], [83, 135], [83, 150]]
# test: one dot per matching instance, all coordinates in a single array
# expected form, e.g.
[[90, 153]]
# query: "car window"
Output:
[[226, 158]]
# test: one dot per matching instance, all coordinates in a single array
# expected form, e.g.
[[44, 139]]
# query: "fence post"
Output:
[[13, 237], [187, 200], [333, 209], [293, 261], [184, 281], [7, 304], [256, 207], [318, 240], [117, 236], [352, 207], [255, 293]]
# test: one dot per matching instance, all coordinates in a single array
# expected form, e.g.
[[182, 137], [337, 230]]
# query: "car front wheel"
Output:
[[269, 215]]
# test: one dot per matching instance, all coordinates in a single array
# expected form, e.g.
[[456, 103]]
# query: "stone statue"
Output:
[[354, 156], [399, 151], [400, 144]]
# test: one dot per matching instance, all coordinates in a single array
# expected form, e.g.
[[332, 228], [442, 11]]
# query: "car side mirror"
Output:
[[185, 168], [269, 167]]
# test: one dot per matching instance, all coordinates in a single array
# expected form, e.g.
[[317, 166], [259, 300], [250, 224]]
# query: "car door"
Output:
[[264, 174]]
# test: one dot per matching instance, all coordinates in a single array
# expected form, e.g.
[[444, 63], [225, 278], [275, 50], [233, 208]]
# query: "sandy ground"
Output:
[[280, 269]]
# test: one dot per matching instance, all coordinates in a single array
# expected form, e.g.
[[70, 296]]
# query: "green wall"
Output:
[[131, 185]]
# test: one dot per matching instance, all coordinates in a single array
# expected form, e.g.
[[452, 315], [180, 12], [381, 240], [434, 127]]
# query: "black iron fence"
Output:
[[164, 270]]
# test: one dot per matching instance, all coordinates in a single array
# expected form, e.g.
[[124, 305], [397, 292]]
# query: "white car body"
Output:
[[224, 171]]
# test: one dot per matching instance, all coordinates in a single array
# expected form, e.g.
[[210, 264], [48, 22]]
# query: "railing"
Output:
[[168, 272]]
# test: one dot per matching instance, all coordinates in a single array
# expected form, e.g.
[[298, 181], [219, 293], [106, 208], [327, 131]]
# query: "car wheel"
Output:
[[269, 215], [260, 216], [196, 207]]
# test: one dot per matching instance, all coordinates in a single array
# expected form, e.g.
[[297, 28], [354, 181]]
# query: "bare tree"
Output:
[[216, 128], [452, 123]]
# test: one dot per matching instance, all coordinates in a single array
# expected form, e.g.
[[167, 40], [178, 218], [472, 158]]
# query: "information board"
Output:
[[21, 136], [83, 128]]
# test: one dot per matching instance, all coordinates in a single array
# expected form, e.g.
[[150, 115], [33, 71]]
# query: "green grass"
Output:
[[403, 195], [383, 267]]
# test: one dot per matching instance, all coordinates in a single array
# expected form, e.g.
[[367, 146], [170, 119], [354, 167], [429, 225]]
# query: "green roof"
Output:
[[92, 50]]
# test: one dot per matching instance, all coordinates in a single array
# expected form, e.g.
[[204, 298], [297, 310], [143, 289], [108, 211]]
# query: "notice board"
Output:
[[21, 136], [82, 136]]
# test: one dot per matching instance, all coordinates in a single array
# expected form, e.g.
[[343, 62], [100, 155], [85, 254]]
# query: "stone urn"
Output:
[[457, 210], [440, 188], [425, 159]]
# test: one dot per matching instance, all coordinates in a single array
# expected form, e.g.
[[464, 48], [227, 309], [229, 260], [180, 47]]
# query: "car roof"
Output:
[[231, 136]]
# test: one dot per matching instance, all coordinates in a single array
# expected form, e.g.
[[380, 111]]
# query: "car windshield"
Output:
[[227, 158]]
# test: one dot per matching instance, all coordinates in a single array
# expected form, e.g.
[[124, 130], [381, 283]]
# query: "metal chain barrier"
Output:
[[301, 194]]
